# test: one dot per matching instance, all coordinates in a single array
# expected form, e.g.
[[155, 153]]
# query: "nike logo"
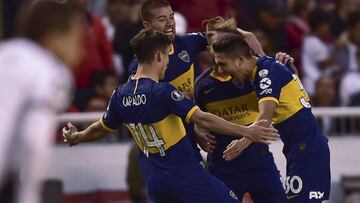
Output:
[[208, 91], [288, 197]]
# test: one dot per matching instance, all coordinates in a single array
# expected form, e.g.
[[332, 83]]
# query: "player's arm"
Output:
[[110, 122], [236, 147], [257, 132], [94, 132], [252, 41]]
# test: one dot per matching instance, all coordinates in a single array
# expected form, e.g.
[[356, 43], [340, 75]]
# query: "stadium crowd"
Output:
[[322, 35]]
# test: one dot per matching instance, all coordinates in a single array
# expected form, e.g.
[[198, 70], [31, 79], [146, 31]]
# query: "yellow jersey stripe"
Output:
[[190, 113], [105, 127], [269, 99]]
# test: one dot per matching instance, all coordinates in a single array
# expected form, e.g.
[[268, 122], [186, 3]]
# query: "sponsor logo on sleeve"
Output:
[[263, 73], [265, 83]]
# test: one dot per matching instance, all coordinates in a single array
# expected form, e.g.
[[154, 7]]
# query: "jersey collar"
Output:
[[253, 74], [171, 52], [219, 77]]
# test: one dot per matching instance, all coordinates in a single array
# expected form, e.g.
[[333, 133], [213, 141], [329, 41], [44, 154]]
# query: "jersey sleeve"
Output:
[[268, 83], [196, 41], [176, 103], [198, 91], [112, 120]]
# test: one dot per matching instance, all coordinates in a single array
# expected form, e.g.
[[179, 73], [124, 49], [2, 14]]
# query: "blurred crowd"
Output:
[[322, 35]]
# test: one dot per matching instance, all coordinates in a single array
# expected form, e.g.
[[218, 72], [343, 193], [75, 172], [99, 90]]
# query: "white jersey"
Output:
[[34, 86], [313, 52]]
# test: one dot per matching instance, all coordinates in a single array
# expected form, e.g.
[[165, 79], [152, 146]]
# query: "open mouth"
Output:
[[169, 31]]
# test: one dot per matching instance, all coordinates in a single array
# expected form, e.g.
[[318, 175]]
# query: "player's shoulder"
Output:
[[191, 38], [204, 77], [268, 65], [192, 35]]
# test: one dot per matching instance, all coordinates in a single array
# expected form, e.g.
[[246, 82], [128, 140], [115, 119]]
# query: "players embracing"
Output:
[[283, 99]]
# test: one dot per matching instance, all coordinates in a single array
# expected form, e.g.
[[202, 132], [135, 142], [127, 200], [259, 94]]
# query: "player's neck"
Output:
[[147, 71]]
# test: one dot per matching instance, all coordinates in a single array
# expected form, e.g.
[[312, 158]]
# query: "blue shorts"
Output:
[[263, 183], [308, 177], [184, 183]]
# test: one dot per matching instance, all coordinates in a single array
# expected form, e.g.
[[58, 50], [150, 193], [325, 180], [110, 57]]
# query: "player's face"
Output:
[[231, 66], [163, 20], [72, 48], [212, 37]]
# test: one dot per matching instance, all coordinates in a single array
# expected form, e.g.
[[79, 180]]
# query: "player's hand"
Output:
[[252, 41], [188, 95], [71, 135], [284, 58], [206, 141], [235, 148], [262, 133]]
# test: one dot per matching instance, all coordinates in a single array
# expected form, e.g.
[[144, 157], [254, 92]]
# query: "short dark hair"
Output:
[[45, 17], [147, 6], [232, 45], [317, 17], [147, 43]]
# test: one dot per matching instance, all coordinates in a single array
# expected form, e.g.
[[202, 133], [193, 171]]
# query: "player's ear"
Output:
[[158, 56], [239, 60], [146, 24]]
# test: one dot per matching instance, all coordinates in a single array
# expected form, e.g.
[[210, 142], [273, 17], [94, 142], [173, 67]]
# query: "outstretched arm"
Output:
[[256, 132], [92, 133]]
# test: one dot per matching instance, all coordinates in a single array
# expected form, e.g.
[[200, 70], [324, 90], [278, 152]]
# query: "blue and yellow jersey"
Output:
[[181, 68], [152, 112], [236, 103], [293, 117]]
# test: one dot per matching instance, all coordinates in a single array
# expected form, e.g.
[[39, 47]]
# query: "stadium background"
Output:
[[97, 172]]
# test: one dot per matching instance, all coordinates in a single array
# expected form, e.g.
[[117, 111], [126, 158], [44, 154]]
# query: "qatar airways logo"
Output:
[[135, 100]]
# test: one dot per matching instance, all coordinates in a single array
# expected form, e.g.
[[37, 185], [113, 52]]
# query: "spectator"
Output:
[[350, 85], [195, 11], [316, 56], [271, 19], [117, 11], [103, 83], [350, 41], [297, 27], [325, 96], [124, 32], [340, 16], [98, 54]]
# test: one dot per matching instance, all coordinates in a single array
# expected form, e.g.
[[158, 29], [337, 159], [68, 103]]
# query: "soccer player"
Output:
[[253, 171], [283, 99], [158, 15], [35, 85], [152, 111]]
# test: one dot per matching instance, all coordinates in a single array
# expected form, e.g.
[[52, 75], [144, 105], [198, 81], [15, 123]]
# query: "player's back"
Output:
[[293, 117], [145, 108]]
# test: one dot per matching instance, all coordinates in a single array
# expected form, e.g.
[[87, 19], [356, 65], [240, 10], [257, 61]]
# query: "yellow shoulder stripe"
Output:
[[269, 99], [190, 113], [105, 127]]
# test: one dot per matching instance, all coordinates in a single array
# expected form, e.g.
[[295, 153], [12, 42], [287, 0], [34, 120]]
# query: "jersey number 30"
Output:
[[304, 100], [142, 136]]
